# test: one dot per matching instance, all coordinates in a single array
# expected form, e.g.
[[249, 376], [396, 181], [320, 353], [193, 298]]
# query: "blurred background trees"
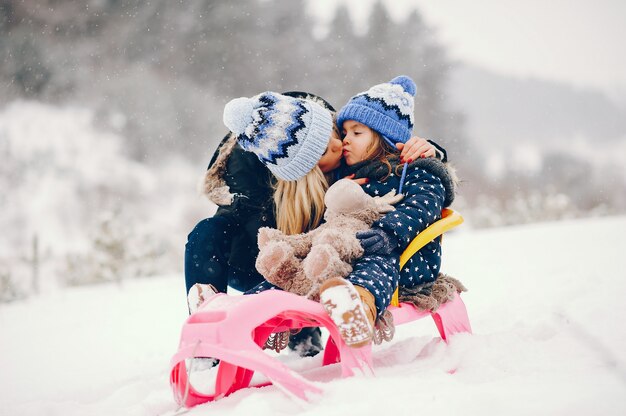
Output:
[[162, 70]]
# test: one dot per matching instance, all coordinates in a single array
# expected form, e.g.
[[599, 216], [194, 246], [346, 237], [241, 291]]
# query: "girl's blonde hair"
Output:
[[299, 205]]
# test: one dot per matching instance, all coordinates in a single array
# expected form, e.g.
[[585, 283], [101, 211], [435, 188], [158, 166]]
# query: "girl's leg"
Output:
[[355, 302], [423, 267], [379, 276]]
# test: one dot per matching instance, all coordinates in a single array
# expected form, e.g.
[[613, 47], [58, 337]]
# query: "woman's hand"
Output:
[[360, 181], [415, 148]]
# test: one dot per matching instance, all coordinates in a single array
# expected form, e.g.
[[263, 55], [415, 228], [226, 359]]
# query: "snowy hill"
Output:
[[545, 303]]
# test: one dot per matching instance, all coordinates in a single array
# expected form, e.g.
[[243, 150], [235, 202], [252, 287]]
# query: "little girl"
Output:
[[372, 123]]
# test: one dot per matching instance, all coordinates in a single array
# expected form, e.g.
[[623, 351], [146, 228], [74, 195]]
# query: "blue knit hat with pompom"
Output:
[[385, 108], [289, 135]]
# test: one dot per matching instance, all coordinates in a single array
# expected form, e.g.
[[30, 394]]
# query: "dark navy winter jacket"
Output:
[[252, 208]]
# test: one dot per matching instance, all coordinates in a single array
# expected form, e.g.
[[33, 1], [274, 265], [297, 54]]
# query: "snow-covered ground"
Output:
[[545, 301]]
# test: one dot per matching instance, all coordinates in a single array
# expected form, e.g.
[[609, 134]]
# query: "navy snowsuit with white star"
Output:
[[427, 189]]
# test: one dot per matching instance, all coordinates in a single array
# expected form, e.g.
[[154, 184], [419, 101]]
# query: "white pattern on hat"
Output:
[[394, 95]]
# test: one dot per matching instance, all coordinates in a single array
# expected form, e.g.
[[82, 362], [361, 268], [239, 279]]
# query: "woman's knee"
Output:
[[208, 234], [208, 227], [206, 254]]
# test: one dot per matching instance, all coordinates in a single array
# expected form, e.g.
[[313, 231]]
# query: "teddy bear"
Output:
[[300, 263]]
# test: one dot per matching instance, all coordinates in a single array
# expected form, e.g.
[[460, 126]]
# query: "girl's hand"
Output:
[[360, 181], [415, 148], [375, 242]]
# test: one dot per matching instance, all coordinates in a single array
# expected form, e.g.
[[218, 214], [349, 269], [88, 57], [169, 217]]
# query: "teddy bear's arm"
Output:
[[278, 264], [384, 204], [301, 243], [340, 233]]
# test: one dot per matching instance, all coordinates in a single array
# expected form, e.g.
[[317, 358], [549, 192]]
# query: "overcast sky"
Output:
[[582, 42]]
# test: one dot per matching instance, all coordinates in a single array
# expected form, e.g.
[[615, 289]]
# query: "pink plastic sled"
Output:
[[235, 328]]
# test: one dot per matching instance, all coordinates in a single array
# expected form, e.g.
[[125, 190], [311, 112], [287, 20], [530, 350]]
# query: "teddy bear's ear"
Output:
[[345, 196]]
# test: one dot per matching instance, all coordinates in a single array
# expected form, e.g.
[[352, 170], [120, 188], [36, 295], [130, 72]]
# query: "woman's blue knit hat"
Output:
[[289, 135], [385, 108]]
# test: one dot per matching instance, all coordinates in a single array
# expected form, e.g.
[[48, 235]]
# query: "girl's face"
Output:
[[331, 159], [357, 140]]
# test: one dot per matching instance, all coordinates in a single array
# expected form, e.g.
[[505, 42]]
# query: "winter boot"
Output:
[[201, 363], [307, 342], [198, 293], [351, 308]]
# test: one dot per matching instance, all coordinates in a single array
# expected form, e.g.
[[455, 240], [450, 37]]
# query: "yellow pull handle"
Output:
[[449, 219]]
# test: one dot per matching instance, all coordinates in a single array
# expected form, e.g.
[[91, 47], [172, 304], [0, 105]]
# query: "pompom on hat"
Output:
[[289, 135], [385, 108], [238, 114]]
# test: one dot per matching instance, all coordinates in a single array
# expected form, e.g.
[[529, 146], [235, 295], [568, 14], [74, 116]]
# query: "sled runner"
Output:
[[234, 329]]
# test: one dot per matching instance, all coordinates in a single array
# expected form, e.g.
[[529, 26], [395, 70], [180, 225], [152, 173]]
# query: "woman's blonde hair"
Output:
[[299, 204]]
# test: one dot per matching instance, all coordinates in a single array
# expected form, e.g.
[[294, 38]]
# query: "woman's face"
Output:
[[331, 159], [357, 139]]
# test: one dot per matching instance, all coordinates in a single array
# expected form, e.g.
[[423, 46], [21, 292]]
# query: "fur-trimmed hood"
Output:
[[213, 186]]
